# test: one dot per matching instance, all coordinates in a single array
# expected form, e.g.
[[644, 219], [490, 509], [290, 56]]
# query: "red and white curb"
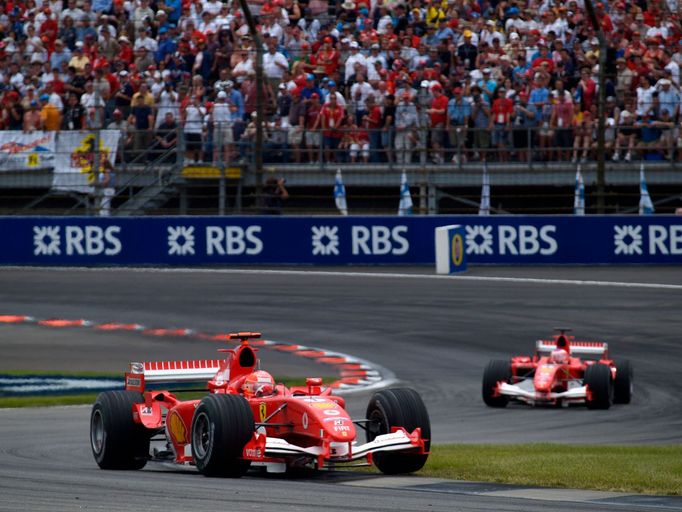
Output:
[[355, 374]]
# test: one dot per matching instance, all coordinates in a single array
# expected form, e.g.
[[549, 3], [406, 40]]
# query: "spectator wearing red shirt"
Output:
[[330, 121], [312, 136], [372, 121], [438, 115], [500, 123], [328, 57]]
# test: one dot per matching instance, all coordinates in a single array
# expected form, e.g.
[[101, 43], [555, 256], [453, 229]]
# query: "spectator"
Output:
[[480, 114], [438, 117], [142, 121], [167, 136], [223, 136], [330, 121], [193, 128], [50, 117], [313, 137], [297, 123], [275, 194], [459, 113]]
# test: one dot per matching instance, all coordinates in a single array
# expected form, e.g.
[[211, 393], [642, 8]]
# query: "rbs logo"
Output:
[[380, 240], [233, 240], [76, 240]]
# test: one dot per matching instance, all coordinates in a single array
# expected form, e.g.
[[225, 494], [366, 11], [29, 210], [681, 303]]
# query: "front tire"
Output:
[[117, 441], [496, 371], [402, 407], [622, 386], [598, 381], [221, 427]]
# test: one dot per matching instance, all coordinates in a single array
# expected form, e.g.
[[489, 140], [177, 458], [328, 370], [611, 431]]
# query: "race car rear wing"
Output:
[[167, 372], [586, 348]]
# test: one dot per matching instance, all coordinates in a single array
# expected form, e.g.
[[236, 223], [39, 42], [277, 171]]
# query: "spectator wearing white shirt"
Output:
[[274, 65], [354, 58], [144, 41], [223, 139]]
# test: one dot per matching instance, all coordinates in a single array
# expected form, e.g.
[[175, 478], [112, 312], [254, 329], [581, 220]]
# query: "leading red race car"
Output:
[[561, 372], [247, 420]]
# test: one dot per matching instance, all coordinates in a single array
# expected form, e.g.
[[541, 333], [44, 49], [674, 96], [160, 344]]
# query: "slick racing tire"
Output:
[[622, 386], [221, 427], [117, 441], [599, 383], [402, 407], [496, 371]]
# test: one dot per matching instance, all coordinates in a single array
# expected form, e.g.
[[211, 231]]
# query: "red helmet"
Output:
[[259, 383]]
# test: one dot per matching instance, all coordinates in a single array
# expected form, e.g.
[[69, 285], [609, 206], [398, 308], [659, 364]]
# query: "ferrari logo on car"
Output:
[[263, 411]]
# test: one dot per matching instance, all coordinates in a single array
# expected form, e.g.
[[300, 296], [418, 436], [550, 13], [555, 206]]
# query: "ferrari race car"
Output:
[[247, 420], [563, 371]]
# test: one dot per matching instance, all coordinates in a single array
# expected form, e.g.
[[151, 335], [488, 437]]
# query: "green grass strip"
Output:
[[655, 469]]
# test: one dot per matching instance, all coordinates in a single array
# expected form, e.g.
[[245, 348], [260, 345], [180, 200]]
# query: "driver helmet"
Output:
[[559, 356], [259, 383]]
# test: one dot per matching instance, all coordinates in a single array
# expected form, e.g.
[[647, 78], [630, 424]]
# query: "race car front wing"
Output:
[[262, 447], [575, 393]]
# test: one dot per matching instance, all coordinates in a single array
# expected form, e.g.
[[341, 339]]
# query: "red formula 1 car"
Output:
[[562, 371], [247, 420]]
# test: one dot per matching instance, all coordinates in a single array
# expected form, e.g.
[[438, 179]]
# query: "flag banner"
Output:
[[646, 206], [340, 194], [484, 208], [26, 151], [74, 168], [405, 206], [579, 199]]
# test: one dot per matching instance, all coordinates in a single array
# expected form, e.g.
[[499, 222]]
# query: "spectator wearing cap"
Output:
[[459, 113], [120, 124], [50, 117], [192, 120], [525, 122], [355, 58], [467, 52], [371, 121], [283, 101], [333, 90], [223, 136], [561, 123], [500, 123], [144, 40], [79, 59], [168, 101], [668, 97], [141, 13], [32, 119]]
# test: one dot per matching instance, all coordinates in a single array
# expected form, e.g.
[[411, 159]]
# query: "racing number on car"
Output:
[[263, 411]]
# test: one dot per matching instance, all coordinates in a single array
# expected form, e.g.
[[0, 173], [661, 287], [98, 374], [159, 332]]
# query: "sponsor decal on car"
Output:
[[177, 428], [304, 421], [263, 411]]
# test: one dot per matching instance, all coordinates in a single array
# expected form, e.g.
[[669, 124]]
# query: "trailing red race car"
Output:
[[247, 420], [562, 371]]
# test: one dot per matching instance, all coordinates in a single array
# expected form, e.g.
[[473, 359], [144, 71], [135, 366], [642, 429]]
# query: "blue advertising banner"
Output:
[[337, 240]]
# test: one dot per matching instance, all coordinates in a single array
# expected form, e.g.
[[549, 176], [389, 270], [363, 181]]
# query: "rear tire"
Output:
[[622, 386], [117, 441], [221, 427], [402, 407], [496, 371], [598, 381]]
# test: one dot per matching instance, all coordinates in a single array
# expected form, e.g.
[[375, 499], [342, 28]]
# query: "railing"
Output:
[[444, 168]]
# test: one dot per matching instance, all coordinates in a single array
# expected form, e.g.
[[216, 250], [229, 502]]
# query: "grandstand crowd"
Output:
[[357, 80]]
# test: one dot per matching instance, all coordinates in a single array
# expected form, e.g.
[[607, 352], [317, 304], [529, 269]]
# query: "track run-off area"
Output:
[[435, 334]]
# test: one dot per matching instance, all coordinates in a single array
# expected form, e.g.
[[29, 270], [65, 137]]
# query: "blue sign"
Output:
[[337, 240]]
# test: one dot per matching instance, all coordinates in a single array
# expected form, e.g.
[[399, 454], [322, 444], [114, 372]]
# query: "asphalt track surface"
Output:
[[435, 335]]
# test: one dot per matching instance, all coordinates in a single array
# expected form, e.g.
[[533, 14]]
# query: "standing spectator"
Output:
[[221, 117], [275, 194], [142, 121], [355, 58], [274, 66], [74, 114], [359, 93], [582, 123], [669, 98], [388, 127], [125, 141], [561, 122], [424, 100], [330, 121], [480, 115], [193, 123], [406, 124], [32, 117], [437, 120], [372, 122], [105, 184], [167, 136], [297, 122], [500, 123], [312, 136], [50, 117], [626, 136], [459, 113], [525, 125]]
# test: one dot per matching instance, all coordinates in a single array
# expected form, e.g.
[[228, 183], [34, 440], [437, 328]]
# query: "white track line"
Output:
[[391, 275]]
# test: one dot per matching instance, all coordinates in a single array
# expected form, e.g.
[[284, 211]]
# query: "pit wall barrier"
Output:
[[186, 241]]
